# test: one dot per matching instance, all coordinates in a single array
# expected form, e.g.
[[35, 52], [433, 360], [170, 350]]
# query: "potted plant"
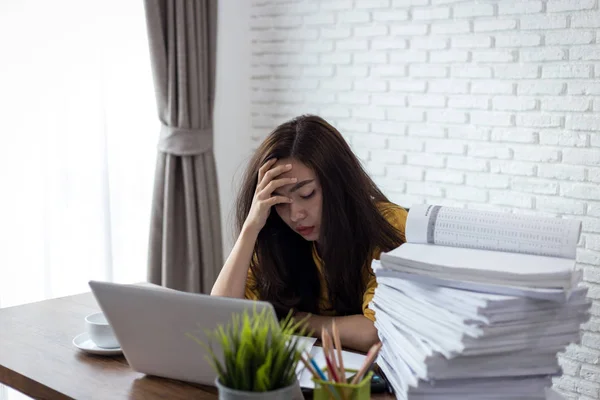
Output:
[[257, 356]]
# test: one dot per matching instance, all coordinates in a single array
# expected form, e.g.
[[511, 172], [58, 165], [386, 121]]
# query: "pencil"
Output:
[[326, 353], [310, 368], [317, 374], [341, 373], [371, 356], [336, 339], [316, 368], [331, 368], [330, 356]]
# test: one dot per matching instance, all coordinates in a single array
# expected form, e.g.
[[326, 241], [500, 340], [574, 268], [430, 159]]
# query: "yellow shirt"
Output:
[[396, 216]]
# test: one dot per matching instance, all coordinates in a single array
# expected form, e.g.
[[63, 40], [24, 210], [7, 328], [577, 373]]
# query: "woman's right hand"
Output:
[[263, 196]]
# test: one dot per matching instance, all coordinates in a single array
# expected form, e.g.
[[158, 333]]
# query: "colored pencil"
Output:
[[330, 355], [326, 353], [337, 343], [317, 369], [331, 368], [318, 374], [371, 356], [341, 373]]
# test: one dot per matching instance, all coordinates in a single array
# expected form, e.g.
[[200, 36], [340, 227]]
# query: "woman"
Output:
[[313, 253]]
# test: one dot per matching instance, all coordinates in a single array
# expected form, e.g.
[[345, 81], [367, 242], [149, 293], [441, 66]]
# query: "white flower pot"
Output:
[[286, 393]]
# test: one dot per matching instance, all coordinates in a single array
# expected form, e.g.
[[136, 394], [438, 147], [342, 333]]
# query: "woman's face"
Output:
[[303, 214]]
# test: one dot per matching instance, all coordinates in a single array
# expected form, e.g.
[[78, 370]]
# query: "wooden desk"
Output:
[[37, 358]]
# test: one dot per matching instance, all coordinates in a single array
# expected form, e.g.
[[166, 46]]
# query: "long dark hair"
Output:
[[351, 227]]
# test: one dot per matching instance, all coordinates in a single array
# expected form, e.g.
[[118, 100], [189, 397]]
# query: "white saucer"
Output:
[[84, 343]]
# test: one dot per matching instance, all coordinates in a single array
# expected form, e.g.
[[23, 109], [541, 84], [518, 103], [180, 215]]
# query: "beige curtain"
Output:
[[185, 233]]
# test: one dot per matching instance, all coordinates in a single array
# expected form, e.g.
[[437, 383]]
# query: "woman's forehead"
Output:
[[299, 170]]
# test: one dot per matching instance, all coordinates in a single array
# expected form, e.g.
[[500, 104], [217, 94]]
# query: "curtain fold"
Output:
[[185, 233]]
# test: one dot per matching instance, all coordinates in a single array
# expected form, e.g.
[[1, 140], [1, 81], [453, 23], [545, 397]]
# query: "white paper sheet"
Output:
[[489, 264], [557, 295], [486, 230]]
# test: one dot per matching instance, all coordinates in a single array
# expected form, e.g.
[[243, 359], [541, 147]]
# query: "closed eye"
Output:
[[308, 196]]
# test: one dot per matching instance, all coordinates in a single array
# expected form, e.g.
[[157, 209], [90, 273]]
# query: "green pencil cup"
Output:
[[327, 390]]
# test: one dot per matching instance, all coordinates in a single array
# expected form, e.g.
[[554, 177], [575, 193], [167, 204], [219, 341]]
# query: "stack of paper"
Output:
[[457, 321]]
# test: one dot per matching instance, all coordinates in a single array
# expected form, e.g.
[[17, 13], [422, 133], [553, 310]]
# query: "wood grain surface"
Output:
[[37, 358]]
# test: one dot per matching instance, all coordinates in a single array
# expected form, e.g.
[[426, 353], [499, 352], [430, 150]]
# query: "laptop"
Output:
[[151, 322]]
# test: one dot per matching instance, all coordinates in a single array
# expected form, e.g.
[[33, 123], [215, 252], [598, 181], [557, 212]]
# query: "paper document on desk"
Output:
[[305, 342], [489, 230], [479, 304], [351, 361]]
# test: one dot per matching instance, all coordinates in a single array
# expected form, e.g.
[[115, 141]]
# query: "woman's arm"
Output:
[[356, 331], [231, 281]]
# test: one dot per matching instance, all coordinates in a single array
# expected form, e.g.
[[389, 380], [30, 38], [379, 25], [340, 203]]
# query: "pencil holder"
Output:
[[329, 390]]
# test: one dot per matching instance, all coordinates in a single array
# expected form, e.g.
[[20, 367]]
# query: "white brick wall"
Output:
[[482, 104]]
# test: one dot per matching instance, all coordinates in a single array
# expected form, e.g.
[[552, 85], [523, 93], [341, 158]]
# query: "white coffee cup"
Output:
[[100, 331]]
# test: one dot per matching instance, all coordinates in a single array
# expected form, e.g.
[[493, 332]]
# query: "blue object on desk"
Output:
[[378, 384], [316, 367]]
